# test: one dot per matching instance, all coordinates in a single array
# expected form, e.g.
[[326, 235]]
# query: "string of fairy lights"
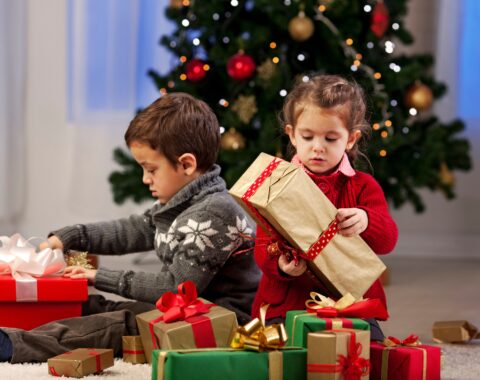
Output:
[[242, 67]]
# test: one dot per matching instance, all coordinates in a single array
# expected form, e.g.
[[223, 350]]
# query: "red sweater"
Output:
[[283, 292]]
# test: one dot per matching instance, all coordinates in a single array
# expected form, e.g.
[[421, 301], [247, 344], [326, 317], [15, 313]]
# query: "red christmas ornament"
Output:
[[195, 70], [241, 66], [380, 19]]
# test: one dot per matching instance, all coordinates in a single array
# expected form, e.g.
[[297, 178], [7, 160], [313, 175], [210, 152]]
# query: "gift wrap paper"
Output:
[[80, 362], [325, 347], [299, 324], [454, 331], [298, 210], [217, 364], [420, 362], [133, 351], [180, 334]]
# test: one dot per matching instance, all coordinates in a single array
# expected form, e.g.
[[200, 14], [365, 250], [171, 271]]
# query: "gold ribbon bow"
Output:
[[256, 336], [319, 301]]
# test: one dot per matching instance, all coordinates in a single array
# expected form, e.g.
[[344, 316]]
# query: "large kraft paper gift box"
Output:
[[80, 362], [229, 364], [30, 303], [416, 362], [281, 197], [338, 354]]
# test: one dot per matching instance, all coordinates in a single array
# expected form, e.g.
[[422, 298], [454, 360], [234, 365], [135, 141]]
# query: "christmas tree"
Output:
[[243, 56]]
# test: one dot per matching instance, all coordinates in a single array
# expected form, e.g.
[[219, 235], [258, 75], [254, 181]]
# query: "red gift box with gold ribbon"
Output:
[[29, 303], [404, 359], [183, 321]]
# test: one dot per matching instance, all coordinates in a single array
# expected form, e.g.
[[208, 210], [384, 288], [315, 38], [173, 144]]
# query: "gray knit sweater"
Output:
[[194, 235]]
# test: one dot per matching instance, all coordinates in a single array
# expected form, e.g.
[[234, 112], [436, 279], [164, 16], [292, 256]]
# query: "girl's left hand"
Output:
[[351, 221], [80, 272]]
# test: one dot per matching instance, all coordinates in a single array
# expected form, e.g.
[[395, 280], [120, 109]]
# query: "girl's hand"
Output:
[[80, 272], [351, 221], [53, 242], [290, 268]]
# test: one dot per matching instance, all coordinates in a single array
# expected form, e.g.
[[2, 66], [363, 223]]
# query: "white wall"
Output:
[[446, 228]]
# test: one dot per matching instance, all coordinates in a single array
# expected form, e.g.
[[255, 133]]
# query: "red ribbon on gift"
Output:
[[410, 341], [185, 306], [95, 353], [352, 366]]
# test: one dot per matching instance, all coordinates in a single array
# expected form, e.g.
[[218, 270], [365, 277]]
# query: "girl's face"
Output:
[[320, 138]]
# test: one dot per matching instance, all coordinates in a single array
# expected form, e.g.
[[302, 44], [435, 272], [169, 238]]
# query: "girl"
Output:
[[325, 119]]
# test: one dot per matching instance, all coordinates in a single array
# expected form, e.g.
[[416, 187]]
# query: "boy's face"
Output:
[[163, 180]]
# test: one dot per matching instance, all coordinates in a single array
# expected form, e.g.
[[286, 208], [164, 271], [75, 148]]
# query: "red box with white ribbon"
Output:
[[29, 303]]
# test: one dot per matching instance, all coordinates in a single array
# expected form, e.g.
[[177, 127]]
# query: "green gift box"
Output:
[[231, 364], [299, 323]]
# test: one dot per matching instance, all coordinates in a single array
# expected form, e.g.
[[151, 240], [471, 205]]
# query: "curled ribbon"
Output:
[[19, 257], [410, 341], [256, 336], [185, 304], [353, 366], [347, 306]]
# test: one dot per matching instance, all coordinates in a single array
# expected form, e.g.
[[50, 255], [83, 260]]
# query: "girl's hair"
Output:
[[333, 93]]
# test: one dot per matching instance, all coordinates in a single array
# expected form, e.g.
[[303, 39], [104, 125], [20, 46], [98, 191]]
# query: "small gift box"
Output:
[[32, 292], [185, 321], [133, 351], [231, 364], [338, 354], [454, 331], [80, 362], [279, 196], [408, 359]]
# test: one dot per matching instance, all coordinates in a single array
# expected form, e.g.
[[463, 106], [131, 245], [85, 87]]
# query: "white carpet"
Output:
[[461, 362]]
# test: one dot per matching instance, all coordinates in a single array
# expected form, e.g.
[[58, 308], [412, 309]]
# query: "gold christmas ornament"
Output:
[[245, 107], [446, 176], [232, 140], [419, 96], [301, 27], [266, 70]]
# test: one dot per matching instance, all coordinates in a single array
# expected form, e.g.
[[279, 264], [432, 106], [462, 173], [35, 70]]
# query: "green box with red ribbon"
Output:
[[185, 321]]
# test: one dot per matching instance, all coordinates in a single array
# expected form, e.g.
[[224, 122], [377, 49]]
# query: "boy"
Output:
[[194, 228]]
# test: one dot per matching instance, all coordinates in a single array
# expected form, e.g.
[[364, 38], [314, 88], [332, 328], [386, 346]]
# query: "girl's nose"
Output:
[[318, 146]]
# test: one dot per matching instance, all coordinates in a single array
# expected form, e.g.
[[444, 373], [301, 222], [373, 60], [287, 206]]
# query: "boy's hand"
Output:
[[80, 272], [290, 267], [351, 221], [53, 242]]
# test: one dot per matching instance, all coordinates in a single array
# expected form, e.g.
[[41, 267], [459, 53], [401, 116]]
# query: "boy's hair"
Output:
[[175, 124], [330, 92]]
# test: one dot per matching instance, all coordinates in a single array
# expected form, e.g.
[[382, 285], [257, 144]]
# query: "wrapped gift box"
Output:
[[80, 362], [213, 329], [133, 351], [284, 195], [230, 364], [29, 303], [420, 362], [454, 331], [331, 354], [299, 324]]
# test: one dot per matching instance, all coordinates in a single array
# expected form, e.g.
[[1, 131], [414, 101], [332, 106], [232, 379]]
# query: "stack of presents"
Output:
[[188, 337]]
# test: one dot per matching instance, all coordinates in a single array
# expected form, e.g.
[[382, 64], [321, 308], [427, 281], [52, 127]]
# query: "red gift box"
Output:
[[32, 303], [420, 362]]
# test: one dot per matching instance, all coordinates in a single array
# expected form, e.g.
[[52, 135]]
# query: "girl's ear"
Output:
[[353, 138], [290, 132], [188, 163]]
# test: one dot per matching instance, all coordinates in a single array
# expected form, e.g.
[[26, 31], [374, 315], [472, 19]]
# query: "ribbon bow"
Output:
[[185, 304], [279, 247], [410, 341], [325, 307], [353, 367], [256, 336], [19, 257]]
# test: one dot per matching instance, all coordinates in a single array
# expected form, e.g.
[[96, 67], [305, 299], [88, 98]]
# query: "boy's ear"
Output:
[[353, 138], [290, 132], [188, 163]]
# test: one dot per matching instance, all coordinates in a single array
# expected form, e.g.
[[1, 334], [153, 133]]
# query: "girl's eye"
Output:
[[331, 139], [307, 138]]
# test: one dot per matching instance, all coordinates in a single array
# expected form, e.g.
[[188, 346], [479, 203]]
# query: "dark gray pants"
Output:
[[102, 325]]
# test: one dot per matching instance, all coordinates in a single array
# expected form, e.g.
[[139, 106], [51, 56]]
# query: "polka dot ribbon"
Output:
[[322, 241]]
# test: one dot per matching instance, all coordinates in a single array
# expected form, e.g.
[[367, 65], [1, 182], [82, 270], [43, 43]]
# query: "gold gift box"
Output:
[[454, 331], [133, 351], [299, 211], [80, 362], [180, 334]]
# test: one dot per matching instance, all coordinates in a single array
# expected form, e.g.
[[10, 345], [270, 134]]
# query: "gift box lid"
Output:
[[48, 289]]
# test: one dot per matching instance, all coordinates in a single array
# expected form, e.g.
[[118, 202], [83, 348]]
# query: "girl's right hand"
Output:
[[290, 267], [53, 242]]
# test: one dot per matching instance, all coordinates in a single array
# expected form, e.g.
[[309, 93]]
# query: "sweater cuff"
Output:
[[108, 280], [71, 237]]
